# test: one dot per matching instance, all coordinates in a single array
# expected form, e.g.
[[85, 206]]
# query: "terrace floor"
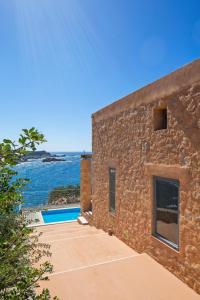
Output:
[[89, 264]]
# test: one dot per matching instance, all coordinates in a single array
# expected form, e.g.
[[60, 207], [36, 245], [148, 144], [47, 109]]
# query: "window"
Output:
[[166, 210], [160, 118], [112, 186]]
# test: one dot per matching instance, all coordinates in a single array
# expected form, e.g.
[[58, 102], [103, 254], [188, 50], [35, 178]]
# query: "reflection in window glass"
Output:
[[112, 184], [166, 192]]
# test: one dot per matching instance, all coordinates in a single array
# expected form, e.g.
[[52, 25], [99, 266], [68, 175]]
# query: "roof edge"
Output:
[[163, 87]]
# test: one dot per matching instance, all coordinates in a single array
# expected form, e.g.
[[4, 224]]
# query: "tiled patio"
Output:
[[89, 264]]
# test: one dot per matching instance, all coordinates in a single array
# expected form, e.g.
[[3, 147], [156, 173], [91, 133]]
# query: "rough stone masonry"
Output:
[[126, 137]]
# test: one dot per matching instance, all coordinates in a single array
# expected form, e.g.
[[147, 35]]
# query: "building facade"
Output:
[[145, 171]]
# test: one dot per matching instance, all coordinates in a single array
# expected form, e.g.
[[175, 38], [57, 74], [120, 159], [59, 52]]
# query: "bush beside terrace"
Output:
[[64, 195]]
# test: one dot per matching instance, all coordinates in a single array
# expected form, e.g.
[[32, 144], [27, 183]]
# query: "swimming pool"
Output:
[[60, 215]]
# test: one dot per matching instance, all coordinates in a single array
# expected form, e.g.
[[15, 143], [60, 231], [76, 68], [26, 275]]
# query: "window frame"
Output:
[[112, 209], [154, 227]]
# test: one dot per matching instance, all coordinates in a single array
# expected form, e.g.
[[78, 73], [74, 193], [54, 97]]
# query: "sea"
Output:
[[45, 176]]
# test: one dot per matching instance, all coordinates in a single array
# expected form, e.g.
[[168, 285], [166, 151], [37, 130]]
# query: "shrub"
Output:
[[67, 194], [20, 251]]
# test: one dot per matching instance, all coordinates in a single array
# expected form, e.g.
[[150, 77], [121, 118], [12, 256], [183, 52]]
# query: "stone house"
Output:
[[143, 178]]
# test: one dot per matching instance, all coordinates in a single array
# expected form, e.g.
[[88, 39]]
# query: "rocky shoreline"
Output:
[[50, 159], [44, 155], [65, 195], [65, 200]]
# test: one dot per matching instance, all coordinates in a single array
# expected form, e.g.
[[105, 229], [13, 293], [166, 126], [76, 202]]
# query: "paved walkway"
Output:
[[90, 265]]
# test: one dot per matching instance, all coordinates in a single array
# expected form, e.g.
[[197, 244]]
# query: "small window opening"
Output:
[[160, 118], [112, 187]]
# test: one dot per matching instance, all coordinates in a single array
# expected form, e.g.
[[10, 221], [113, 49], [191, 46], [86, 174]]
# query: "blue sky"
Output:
[[62, 60]]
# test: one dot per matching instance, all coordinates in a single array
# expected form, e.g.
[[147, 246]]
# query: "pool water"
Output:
[[60, 215]]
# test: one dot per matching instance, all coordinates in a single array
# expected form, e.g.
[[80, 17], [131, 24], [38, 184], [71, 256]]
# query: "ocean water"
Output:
[[44, 177]]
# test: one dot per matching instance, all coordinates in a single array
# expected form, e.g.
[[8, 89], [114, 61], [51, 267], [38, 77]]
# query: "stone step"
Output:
[[81, 220], [59, 226], [61, 234], [66, 236], [88, 213]]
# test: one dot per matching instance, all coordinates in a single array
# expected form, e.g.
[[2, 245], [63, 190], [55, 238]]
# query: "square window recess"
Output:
[[160, 118]]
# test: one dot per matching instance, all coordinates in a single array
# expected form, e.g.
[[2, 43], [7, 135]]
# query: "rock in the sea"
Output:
[[50, 159], [36, 155]]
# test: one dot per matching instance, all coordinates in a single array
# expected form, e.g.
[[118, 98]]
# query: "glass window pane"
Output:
[[167, 225], [167, 193], [166, 214], [112, 183]]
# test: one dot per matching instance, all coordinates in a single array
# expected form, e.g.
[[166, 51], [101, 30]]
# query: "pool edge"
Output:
[[42, 223]]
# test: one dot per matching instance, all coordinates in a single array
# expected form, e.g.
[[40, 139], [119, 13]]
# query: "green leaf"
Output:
[[7, 141]]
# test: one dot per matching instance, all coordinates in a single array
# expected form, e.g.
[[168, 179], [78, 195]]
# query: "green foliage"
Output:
[[69, 191], [20, 251]]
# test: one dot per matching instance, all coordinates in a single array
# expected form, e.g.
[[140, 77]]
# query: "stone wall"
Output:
[[85, 187], [124, 138]]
